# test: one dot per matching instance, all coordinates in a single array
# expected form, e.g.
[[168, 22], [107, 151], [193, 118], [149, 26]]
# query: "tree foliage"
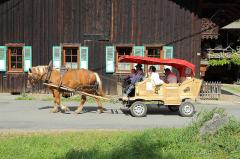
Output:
[[220, 62], [235, 59]]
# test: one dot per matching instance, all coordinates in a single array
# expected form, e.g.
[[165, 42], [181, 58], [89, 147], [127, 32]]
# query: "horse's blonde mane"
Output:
[[100, 92], [40, 69]]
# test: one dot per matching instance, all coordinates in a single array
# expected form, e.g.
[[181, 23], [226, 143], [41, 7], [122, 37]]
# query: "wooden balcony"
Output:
[[221, 55]]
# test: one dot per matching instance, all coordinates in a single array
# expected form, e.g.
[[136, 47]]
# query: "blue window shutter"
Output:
[[83, 57], [138, 50], [168, 52], [57, 56], [110, 59], [27, 58], [3, 52]]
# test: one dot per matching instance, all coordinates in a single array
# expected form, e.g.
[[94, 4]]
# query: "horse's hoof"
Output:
[[100, 111], [65, 109], [54, 110], [78, 111]]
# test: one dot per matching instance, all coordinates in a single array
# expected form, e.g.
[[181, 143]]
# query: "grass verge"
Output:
[[25, 96], [75, 98], [167, 143]]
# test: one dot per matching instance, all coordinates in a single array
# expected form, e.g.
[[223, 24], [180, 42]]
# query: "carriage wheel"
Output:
[[186, 109], [138, 109]]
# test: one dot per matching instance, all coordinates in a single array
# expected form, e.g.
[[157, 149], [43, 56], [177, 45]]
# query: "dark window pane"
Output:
[[13, 65], [68, 58], [154, 52], [19, 65], [13, 59], [124, 50], [19, 58], [74, 58], [19, 51], [13, 51], [68, 52], [74, 51]]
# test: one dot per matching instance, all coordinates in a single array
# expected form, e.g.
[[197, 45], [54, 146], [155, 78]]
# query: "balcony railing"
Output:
[[221, 55]]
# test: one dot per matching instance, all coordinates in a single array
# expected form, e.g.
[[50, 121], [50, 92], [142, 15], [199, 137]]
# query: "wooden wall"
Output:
[[96, 24], [147, 22]]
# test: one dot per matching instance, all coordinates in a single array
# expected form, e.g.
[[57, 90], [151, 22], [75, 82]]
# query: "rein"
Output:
[[48, 74]]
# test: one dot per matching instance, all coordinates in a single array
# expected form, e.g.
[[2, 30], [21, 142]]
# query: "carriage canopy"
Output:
[[179, 64]]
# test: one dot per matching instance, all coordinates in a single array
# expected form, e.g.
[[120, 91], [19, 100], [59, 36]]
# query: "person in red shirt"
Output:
[[170, 76]]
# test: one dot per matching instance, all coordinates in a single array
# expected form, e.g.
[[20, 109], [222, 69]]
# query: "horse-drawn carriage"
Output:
[[176, 96]]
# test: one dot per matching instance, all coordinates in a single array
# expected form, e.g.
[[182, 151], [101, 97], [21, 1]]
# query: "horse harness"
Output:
[[89, 86], [48, 74], [63, 70]]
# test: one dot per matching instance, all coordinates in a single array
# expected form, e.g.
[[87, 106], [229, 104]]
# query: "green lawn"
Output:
[[153, 143], [232, 88]]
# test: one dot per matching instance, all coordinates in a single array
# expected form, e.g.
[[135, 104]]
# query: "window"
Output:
[[114, 52], [123, 67], [15, 59], [156, 52], [70, 57]]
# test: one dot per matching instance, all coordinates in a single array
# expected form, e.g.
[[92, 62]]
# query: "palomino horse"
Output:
[[80, 79]]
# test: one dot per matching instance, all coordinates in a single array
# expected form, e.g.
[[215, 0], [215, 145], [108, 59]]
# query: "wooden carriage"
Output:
[[176, 96]]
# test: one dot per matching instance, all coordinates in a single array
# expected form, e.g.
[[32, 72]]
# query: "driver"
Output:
[[137, 78]]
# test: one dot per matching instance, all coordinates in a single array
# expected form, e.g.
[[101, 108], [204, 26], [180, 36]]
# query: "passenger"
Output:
[[137, 78], [130, 77], [170, 76], [155, 79], [186, 75], [139, 74]]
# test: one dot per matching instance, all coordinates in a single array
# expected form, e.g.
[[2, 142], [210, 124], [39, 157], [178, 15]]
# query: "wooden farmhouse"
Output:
[[92, 34]]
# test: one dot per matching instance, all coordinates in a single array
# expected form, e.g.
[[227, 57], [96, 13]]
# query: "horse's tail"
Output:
[[99, 82]]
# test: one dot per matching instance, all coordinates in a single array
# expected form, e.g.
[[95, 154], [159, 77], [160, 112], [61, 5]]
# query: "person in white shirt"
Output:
[[155, 79], [170, 76]]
